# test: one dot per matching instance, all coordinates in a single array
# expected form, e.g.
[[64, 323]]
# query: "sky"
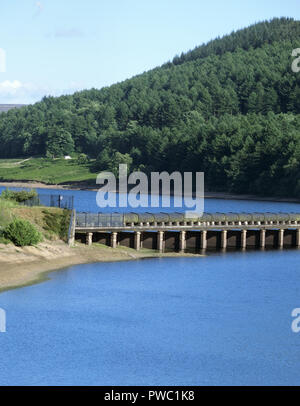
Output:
[[54, 47]]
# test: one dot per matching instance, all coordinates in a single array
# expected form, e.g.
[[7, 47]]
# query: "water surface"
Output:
[[224, 319], [85, 201]]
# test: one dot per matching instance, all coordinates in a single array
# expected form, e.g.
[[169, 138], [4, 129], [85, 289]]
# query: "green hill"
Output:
[[229, 108]]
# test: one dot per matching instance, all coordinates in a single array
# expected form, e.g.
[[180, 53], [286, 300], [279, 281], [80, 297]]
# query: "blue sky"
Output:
[[60, 46]]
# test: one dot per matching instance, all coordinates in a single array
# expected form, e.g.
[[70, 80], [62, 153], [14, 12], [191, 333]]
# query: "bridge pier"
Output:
[[160, 241], [182, 241], [298, 237], [244, 239], [203, 244], [113, 240], [224, 239], [89, 238], [262, 241], [137, 240], [280, 238]]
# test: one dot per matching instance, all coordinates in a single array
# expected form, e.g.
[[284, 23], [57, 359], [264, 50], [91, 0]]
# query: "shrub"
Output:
[[22, 233], [3, 240], [18, 196], [82, 159]]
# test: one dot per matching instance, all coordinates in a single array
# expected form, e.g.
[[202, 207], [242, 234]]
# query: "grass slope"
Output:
[[52, 222], [50, 171]]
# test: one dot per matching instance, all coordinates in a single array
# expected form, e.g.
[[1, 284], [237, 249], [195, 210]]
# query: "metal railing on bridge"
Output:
[[99, 220], [86, 220], [49, 200]]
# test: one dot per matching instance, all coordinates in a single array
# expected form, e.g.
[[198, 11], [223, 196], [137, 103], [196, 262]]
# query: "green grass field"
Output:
[[50, 171]]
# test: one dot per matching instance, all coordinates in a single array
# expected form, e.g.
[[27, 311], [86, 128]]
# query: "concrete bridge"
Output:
[[173, 232]]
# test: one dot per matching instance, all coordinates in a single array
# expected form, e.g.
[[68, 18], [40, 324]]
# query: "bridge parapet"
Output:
[[94, 220]]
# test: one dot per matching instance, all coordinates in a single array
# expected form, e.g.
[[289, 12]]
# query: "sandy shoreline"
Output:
[[208, 195], [25, 266]]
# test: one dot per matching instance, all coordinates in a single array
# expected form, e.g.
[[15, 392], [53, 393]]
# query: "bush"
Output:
[[18, 196], [3, 240], [82, 159], [22, 233]]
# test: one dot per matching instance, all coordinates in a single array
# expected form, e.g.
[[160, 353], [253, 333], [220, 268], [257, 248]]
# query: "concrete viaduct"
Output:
[[173, 232]]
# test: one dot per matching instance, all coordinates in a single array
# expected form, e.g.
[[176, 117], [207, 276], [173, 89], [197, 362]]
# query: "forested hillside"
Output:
[[229, 108]]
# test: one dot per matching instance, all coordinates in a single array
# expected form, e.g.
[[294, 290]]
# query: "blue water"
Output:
[[223, 319], [85, 201]]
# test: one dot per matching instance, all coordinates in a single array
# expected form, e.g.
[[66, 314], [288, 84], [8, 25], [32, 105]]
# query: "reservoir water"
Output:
[[85, 200], [222, 319]]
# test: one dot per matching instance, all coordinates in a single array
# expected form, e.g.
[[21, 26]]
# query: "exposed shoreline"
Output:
[[21, 267], [89, 187]]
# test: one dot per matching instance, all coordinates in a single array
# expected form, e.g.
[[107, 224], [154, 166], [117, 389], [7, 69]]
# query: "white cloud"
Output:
[[10, 86], [15, 91]]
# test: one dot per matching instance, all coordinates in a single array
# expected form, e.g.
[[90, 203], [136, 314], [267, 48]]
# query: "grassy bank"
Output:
[[51, 222], [48, 171]]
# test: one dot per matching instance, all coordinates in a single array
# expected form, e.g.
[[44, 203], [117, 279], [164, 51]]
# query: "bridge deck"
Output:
[[259, 230]]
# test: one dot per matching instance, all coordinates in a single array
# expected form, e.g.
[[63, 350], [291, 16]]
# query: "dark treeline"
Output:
[[229, 108]]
